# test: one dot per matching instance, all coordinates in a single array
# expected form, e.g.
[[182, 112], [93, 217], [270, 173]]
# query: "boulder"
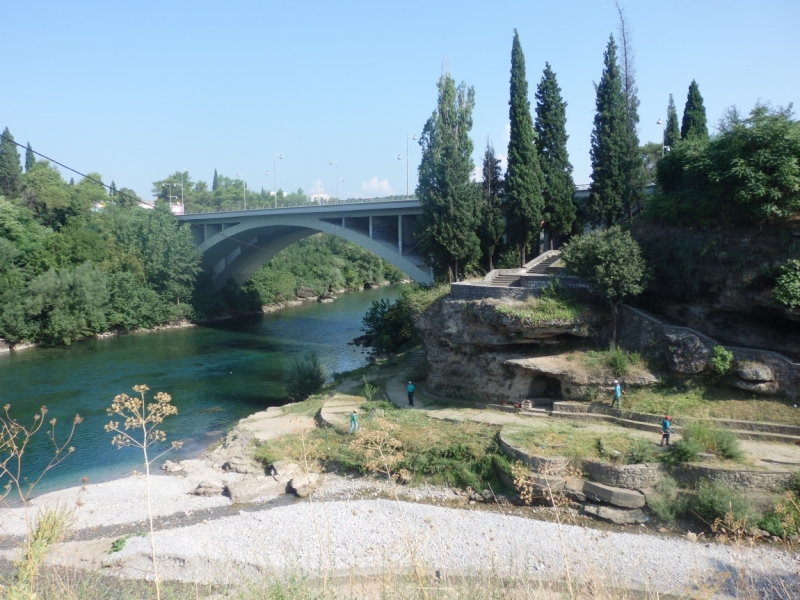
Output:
[[687, 353], [303, 485], [542, 484], [4, 346], [243, 464], [250, 488], [285, 468], [753, 371], [573, 489], [171, 467], [209, 488], [306, 293], [620, 516], [376, 413], [326, 297], [597, 492], [758, 387]]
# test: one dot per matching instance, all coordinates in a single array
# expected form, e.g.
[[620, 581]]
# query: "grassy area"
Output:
[[699, 400], [420, 298], [542, 310], [461, 454], [612, 361], [580, 441]]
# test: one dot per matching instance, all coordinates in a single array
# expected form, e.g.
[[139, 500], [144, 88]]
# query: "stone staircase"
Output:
[[506, 280], [543, 268]]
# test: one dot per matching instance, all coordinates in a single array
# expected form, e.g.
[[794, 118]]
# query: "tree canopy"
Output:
[[524, 200], [694, 126], [672, 132], [490, 208]]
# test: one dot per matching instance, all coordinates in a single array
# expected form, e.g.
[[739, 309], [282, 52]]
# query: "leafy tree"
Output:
[[693, 126], [30, 158], [86, 194], [67, 304], [650, 154], [389, 325], [134, 305], [787, 284], [45, 194], [305, 376], [448, 223], [747, 174], [10, 168], [551, 144], [672, 132], [524, 178], [490, 209], [609, 150], [126, 197], [611, 261]]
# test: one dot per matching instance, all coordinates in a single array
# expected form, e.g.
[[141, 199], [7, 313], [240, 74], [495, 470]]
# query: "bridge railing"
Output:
[[302, 205]]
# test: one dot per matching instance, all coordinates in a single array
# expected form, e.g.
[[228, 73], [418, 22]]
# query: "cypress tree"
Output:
[[524, 178], [672, 133], [694, 125], [214, 182], [30, 158], [635, 174], [609, 150], [448, 198], [551, 145], [10, 168], [490, 210]]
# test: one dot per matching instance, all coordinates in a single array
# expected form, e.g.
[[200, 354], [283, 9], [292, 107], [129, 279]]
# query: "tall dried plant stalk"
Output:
[[144, 419]]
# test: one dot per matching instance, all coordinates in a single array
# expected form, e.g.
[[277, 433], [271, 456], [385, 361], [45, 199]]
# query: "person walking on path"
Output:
[[666, 429], [353, 421], [617, 395], [410, 390]]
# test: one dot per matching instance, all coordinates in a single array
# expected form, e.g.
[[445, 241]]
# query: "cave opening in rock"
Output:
[[545, 387]]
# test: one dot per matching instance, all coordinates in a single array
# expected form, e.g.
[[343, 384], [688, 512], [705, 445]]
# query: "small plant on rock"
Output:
[[369, 389], [145, 419], [721, 361]]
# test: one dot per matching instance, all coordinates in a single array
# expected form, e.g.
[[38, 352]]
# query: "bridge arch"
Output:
[[240, 247]]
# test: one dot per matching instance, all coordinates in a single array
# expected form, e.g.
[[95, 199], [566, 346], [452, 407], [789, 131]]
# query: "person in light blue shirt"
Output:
[[410, 390], [353, 421], [617, 395], [666, 429]]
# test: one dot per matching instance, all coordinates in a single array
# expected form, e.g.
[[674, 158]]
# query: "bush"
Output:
[[787, 285], [617, 361], [668, 504], [640, 451], [714, 500], [783, 518], [712, 439], [305, 376], [682, 451], [721, 361]]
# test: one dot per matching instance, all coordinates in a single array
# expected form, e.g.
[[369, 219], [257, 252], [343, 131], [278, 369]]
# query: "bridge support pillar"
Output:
[[400, 234], [370, 228]]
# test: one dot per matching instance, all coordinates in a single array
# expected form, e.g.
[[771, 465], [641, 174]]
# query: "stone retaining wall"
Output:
[[481, 291], [739, 479], [631, 477]]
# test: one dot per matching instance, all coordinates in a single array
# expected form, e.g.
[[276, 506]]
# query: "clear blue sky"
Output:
[[137, 90]]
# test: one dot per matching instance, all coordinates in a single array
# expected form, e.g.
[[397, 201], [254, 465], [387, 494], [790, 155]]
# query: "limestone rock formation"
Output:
[[209, 488], [620, 516], [687, 355], [753, 371]]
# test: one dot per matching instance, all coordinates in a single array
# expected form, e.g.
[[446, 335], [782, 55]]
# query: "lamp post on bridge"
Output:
[[275, 158], [244, 191], [187, 178], [401, 157], [336, 162]]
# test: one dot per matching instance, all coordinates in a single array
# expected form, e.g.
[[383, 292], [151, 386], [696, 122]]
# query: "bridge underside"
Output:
[[235, 250]]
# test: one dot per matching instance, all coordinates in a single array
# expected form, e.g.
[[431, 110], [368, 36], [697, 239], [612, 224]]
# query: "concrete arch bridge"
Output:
[[236, 243]]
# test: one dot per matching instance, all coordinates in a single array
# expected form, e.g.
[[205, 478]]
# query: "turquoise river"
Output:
[[216, 374]]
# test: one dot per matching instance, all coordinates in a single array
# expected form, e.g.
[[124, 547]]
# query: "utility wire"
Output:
[[8, 139]]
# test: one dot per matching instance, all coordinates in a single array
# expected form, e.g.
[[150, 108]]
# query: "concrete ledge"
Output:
[[597, 492]]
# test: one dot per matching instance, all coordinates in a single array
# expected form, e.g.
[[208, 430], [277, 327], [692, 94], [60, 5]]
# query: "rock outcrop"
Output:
[[470, 345]]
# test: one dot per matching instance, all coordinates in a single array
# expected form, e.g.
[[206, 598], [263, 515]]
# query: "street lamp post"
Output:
[[187, 177], [275, 158], [663, 136], [244, 191], [336, 162], [401, 157]]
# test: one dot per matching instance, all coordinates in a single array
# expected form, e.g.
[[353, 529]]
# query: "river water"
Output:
[[216, 374]]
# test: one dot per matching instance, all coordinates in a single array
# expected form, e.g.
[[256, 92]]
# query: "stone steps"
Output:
[[543, 267], [506, 280]]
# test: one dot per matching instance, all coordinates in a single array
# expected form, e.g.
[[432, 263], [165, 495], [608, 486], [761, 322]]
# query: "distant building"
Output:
[[177, 209], [319, 198]]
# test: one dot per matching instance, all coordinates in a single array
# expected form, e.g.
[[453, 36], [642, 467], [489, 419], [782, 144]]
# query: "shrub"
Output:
[[787, 285], [714, 501], [721, 361], [668, 504], [618, 361], [682, 451], [784, 517], [640, 451], [712, 439], [305, 376]]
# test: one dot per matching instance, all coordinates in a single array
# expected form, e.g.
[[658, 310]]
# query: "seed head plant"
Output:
[[14, 439], [143, 421]]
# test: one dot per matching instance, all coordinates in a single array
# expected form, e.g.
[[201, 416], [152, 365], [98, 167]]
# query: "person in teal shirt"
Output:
[[617, 395], [353, 421], [410, 390], [666, 429]]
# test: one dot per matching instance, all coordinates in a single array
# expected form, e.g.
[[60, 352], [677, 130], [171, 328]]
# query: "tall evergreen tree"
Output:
[[635, 174], [551, 145], [672, 133], [448, 198], [490, 209], [10, 168], [694, 125], [524, 179], [114, 189], [609, 151], [215, 182], [30, 158]]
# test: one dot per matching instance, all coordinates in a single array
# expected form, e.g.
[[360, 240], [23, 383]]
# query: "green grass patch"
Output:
[[543, 310], [710, 401], [613, 360], [459, 454], [420, 298], [580, 442]]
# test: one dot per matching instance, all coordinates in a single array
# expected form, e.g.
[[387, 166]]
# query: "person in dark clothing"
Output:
[[410, 390]]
